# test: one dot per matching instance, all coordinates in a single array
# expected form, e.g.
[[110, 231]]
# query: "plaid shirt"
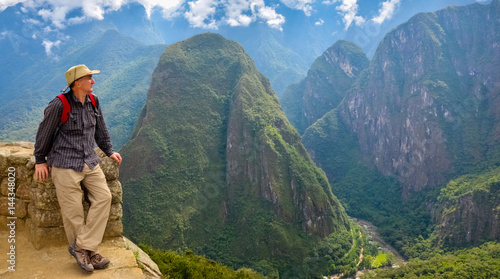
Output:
[[73, 146]]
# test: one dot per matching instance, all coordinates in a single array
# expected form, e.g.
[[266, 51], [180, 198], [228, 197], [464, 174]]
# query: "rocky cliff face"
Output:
[[215, 166], [467, 210], [326, 84], [427, 107]]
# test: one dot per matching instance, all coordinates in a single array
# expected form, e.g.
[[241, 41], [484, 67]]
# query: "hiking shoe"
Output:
[[71, 249], [82, 257], [98, 261]]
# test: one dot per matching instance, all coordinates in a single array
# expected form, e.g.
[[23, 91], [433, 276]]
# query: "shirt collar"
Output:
[[87, 98]]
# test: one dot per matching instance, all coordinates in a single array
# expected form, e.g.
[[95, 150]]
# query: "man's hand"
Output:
[[115, 156], [42, 171]]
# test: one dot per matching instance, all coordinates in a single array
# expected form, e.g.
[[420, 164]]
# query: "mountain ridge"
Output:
[[325, 85], [222, 162]]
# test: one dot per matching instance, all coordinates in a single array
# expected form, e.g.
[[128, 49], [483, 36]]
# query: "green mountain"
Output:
[[361, 188], [214, 165], [427, 108], [425, 111], [126, 67], [479, 263], [467, 210], [329, 78]]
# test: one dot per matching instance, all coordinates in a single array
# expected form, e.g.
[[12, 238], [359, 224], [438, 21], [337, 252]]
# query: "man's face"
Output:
[[85, 83]]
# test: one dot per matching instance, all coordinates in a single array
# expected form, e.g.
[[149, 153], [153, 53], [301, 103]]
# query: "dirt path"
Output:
[[360, 253], [371, 230]]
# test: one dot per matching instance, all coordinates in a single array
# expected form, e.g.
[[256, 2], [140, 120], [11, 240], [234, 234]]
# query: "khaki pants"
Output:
[[88, 235]]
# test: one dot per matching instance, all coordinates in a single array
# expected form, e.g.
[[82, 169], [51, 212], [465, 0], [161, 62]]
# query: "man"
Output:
[[68, 156]]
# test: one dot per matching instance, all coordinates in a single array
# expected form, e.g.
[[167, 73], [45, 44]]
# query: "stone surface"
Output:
[[33, 263], [4, 186], [46, 237], [47, 184], [21, 157], [110, 168], [116, 212], [45, 218], [114, 228], [20, 209], [116, 190], [143, 259], [23, 190], [3, 161], [45, 199], [36, 205], [20, 224]]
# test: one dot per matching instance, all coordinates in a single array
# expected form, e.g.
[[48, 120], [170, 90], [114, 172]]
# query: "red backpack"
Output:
[[66, 113]]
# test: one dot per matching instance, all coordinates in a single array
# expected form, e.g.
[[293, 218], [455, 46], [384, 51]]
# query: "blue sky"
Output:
[[50, 18], [207, 14]]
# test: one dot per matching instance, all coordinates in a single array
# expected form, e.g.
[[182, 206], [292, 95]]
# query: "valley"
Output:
[[243, 153], [373, 234]]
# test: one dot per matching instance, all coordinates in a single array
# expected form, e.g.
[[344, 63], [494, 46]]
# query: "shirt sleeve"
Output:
[[46, 130], [101, 132]]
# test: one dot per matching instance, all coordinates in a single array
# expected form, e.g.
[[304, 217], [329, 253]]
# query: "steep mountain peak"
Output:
[[329, 78], [347, 56], [430, 88], [220, 167]]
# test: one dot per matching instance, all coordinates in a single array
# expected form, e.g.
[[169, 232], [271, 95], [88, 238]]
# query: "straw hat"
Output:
[[77, 72]]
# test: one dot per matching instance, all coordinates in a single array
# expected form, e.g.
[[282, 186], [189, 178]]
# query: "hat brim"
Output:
[[92, 72]]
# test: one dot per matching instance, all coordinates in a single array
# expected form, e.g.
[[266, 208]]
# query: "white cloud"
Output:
[[304, 5], [48, 46], [201, 13], [239, 13], [387, 10], [319, 22], [329, 2], [78, 20], [208, 14], [4, 34], [272, 18], [32, 21], [57, 16], [348, 10], [244, 12], [169, 8], [4, 4], [93, 10], [240, 20]]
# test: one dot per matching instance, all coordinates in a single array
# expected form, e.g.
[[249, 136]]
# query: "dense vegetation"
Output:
[[329, 78], [338, 254], [408, 126], [191, 266], [223, 173], [126, 67], [479, 263], [364, 192]]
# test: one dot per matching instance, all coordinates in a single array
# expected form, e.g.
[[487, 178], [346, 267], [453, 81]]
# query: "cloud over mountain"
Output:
[[206, 14]]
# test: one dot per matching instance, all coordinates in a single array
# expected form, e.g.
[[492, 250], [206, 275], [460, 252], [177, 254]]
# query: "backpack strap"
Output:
[[66, 109], [95, 104], [92, 99]]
